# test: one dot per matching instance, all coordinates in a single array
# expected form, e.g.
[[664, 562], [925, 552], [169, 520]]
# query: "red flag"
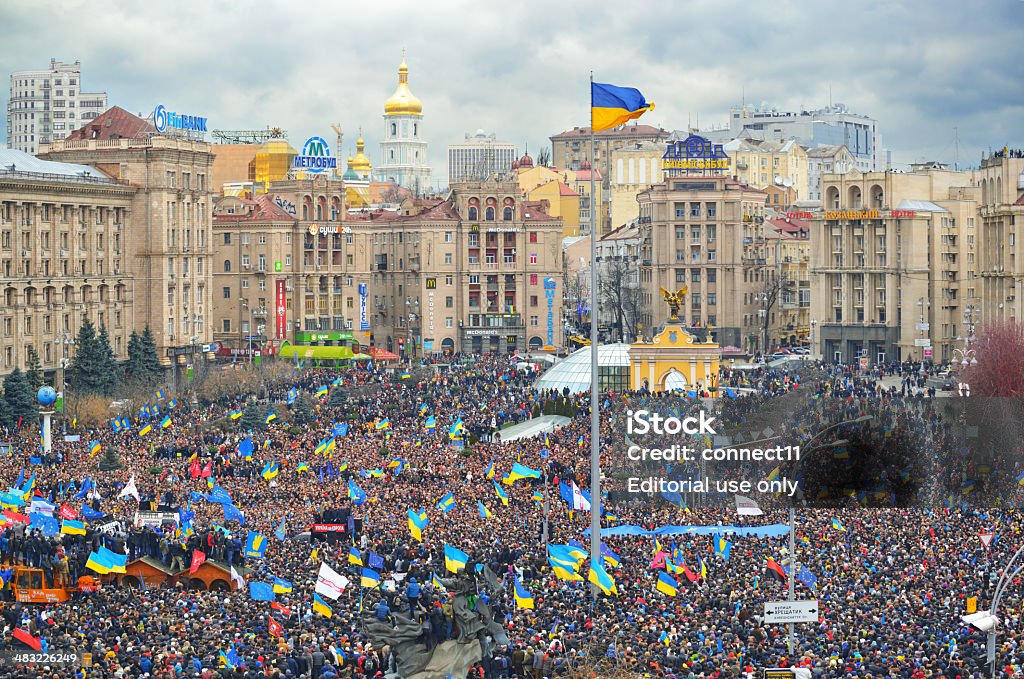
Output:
[[274, 627], [194, 469], [68, 512], [207, 470], [27, 639], [776, 570], [690, 575], [15, 516], [283, 609], [198, 558]]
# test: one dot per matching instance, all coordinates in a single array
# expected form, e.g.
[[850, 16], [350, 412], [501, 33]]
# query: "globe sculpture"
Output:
[[46, 395]]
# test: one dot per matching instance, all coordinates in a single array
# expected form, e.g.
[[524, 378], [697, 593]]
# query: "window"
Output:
[[449, 237], [449, 279], [507, 214], [533, 300], [533, 236], [227, 239], [227, 325], [449, 322], [712, 299], [533, 279], [473, 213], [489, 214], [288, 260], [534, 323], [245, 283], [227, 266], [447, 258], [680, 275], [712, 275], [533, 258], [227, 292], [695, 275]]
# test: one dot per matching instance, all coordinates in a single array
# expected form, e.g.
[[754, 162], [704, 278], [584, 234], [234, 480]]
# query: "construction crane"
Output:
[[337, 141]]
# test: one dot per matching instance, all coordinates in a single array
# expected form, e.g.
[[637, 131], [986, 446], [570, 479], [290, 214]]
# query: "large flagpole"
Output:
[[595, 391]]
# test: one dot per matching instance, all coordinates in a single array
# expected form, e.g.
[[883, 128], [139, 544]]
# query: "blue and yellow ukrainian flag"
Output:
[[490, 472], [423, 409], [354, 557], [447, 503], [520, 472], [271, 470], [145, 430], [524, 599], [369, 578], [271, 416], [1020, 479], [235, 414], [166, 422], [320, 447], [94, 448], [455, 559], [322, 391], [383, 424], [599, 576], [667, 584], [301, 467], [773, 474], [417, 522], [436, 581], [281, 586], [611, 106], [485, 513], [838, 525], [320, 606], [69, 527], [501, 494]]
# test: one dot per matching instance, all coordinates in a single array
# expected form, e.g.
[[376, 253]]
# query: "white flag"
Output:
[[238, 579], [578, 501], [747, 507], [130, 489], [42, 507], [330, 583]]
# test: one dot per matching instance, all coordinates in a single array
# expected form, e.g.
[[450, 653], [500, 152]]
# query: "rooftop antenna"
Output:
[[956, 150]]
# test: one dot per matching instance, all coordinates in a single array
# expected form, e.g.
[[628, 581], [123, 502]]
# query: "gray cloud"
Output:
[[521, 69]]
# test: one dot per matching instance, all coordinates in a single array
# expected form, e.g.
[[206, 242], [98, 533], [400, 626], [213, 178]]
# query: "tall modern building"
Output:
[[478, 157], [833, 125], [47, 104], [403, 153]]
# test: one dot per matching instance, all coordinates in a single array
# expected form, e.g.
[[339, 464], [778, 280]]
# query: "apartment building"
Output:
[[707, 233], [894, 263], [480, 271], [167, 230], [47, 104]]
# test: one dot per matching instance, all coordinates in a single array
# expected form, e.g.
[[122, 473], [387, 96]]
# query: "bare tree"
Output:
[[544, 156], [575, 294], [768, 297], [618, 290]]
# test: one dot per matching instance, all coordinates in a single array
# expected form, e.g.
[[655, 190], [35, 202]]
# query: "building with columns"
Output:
[[1001, 224], [166, 233], [63, 232], [403, 153]]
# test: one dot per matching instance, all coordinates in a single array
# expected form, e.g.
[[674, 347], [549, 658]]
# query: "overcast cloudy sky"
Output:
[[520, 69]]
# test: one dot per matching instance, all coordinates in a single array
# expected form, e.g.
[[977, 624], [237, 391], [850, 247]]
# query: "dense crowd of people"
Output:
[[894, 564]]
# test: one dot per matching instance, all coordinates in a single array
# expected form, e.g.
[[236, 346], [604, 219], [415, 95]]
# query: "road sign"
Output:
[[924, 327], [923, 342], [791, 611]]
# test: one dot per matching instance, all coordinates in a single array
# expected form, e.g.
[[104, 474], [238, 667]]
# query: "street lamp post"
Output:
[[988, 621]]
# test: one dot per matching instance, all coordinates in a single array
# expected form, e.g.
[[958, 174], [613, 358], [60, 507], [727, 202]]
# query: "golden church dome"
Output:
[[403, 101], [360, 163]]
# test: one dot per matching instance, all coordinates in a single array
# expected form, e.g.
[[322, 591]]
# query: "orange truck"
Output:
[[29, 585]]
